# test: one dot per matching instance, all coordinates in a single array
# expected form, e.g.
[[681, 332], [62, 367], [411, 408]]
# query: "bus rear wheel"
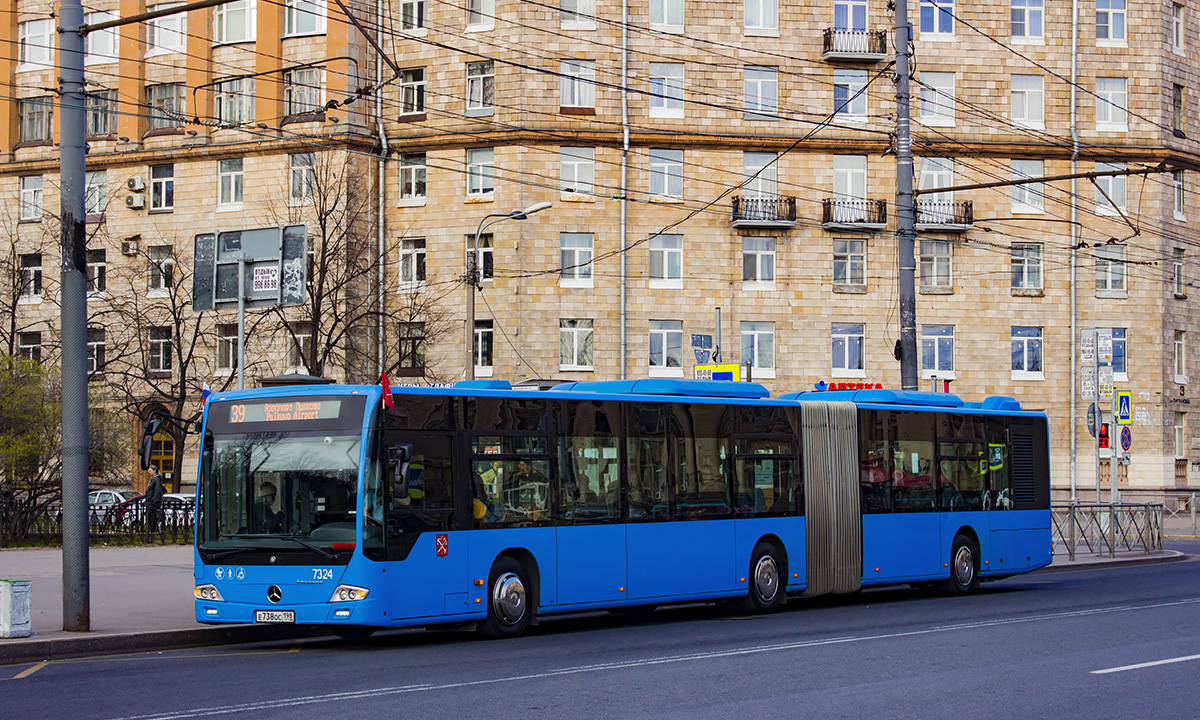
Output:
[[766, 581], [508, 602], [964, 567]]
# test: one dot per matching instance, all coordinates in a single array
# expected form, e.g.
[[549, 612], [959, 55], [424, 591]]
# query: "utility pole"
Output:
[[905, 208], [75, 572]]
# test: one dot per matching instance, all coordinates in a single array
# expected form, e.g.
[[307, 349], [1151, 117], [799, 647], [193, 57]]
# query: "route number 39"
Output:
[[322, 573]]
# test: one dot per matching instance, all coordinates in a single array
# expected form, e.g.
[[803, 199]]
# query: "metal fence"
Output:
[[172, 524], [1106, 529]]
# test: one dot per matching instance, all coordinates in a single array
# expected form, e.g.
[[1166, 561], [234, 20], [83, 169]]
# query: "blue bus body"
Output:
[[316, 505]]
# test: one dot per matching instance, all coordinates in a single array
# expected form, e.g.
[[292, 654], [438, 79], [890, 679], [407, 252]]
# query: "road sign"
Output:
[[1092, 419], [1126, 439], [1104, 382], [1124, 400], [718, 371], [701, 356], [1103, 439], [272, 262], [702, 342], [1087, 383]]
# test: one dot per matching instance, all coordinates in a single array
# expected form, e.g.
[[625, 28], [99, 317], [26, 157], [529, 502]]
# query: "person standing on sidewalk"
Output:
[[154, 498]]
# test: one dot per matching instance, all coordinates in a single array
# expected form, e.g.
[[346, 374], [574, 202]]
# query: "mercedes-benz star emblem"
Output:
[[274, 594]]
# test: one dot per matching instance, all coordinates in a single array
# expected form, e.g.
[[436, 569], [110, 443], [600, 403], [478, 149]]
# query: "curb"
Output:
[[1166, 556]]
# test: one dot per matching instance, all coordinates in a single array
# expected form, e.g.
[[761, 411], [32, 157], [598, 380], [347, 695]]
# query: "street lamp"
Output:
[[471, 279]]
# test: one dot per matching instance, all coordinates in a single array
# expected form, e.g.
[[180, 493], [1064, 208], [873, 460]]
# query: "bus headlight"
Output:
[[348, 593], [208, 592]]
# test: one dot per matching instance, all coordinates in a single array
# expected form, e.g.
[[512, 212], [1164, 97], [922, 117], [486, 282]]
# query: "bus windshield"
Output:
[[279, 490]]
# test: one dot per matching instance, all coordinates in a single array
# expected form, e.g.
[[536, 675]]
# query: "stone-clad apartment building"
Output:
[[698, 155]]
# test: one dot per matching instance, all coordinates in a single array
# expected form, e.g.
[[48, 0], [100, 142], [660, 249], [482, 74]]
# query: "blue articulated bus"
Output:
[[487, 504]]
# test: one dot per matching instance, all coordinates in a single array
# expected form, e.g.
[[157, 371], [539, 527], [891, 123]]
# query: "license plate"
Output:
[[274, 616]]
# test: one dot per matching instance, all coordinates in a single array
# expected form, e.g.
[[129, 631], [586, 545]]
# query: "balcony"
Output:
[[855, 45], [853, 214], [764, 212], [945, 215]]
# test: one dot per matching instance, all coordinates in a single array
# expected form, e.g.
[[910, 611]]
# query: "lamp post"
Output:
[[472, 280]]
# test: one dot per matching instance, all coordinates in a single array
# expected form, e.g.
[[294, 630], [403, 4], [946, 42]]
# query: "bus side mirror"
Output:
[[402, 456], [149, 430]]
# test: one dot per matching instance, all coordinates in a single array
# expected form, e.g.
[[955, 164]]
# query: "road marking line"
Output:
[[1139, 666], [27, 672], [296, 646]]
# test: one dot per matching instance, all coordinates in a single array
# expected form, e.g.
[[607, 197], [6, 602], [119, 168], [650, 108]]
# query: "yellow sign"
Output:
[[1124, 401], [718, 371]]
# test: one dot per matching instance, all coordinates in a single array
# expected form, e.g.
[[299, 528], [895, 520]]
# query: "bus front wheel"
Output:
[[766, 580], [508, 603], [964, 567]]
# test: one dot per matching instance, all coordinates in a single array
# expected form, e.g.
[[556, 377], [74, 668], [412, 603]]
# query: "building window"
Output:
[[300, 342], [481, 86], [937, 98], [850, 15], [412, 14], [95, 351], [29, 346], [31, 277], [666, 345], [1026, 267], [1028, 102], [666, 261], [481, 172], [304, 17], [167, 106], [101, 112], [1179, 180], [302, 178], [1177, 106], [162, 187], [576, 251], [577, 169], [666, 90], [31, 197], [936, 265], [759, 171], [412, 91], [162, 269], [96, 272], [410, 341], [481, 14], [666, 15], [35, 120], [666, 173], [937, 173], [303, 91], [233, 100], [484, 336], [1026, 353], [758, 347], [758, 260], [1177, 27], [850, 263], [412, 176], [1178, 281], [761, 16], [577, 84], [1027, 197], [35, 44], [480, 256], [937, 17], [227, 347], [1180, 363], [760, 91], [1180, 435], [95, 192], [1120, 354], [160, 350], [847, 358], [412, 263], [229, 182], [577, 14], [850, 94], [1111, 104], [937, 351], [575, 345], [1110, 21], [99, 46], [1110, 269], [234, 21], [1026, 19], [1110, 190], [166, 34], [849, 177]]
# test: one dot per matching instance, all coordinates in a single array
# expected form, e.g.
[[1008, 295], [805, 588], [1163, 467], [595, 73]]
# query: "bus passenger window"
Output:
[[591, 483], [764, 482]]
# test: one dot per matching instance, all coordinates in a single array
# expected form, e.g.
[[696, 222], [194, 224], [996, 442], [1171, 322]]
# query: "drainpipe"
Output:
[[1074, 252], [383, 156], [624, 173]]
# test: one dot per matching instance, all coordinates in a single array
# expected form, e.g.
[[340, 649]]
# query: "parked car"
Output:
[[101, 502], [177, 509]]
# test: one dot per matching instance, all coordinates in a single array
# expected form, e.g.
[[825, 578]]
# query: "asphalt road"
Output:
[[1104, 643]]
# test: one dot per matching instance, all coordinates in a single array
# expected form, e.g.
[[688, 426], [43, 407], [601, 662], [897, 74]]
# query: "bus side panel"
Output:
[[1032, 538], [539, 542], [425, 583], [591, 564], [902, 546], [679, 559], [790, 530]]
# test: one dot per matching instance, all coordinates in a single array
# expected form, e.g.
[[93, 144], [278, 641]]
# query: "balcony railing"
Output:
[[764, 212], [945, 215], [855, 45], [853, 214]]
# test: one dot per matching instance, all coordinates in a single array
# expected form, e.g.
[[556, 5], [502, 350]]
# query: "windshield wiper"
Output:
[[320, 550], [218, 554]]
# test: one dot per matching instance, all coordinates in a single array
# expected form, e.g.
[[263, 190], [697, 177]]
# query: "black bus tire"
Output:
[[509, 607], [964, 567], [766, 580]]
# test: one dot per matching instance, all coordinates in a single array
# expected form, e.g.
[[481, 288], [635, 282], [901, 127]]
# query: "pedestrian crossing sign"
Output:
[[1123, 403]]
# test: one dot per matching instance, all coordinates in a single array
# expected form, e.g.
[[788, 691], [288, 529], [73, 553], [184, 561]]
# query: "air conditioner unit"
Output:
[[135, 184], [135, 202], [129, 247]]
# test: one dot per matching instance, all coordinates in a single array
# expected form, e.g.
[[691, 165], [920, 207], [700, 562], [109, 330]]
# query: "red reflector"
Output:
[[344, 546]]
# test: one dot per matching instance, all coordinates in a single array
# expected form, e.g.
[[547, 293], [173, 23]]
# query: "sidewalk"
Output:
[[141, 599]]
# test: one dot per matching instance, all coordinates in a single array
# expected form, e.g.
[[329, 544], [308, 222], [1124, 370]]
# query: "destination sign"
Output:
[[284, 411]]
